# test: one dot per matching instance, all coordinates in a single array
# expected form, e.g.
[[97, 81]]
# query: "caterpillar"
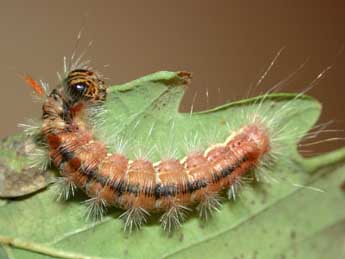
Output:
[[141, 187]]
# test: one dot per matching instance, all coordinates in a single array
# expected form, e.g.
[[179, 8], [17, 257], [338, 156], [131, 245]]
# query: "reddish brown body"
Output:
[[160, 186]]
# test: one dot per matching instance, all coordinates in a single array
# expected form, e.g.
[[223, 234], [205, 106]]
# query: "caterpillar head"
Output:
[[85, 85]]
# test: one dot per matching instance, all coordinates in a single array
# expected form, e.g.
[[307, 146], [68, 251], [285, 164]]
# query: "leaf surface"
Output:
[[280, 219]]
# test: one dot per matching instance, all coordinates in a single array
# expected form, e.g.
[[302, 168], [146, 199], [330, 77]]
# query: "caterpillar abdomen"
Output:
[[140, 186]]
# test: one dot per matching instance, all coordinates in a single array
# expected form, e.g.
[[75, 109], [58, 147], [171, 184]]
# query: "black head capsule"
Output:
[[83, 84]]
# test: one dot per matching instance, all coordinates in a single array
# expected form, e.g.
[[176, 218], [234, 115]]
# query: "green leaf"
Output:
[[300, 216]]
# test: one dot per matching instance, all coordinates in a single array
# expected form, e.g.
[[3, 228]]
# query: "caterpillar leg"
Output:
[[173, 217], [134, 218], [65, 188], [211, 203], [232, 192], [236, 186], [96, 208], [39, 158]]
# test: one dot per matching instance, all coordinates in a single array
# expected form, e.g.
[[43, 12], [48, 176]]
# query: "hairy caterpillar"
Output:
[[170, 186]]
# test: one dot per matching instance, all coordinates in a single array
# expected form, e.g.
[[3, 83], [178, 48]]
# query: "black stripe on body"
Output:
[[159, 190]]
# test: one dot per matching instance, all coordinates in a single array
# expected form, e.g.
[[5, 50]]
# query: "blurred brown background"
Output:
[[226, 44]]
